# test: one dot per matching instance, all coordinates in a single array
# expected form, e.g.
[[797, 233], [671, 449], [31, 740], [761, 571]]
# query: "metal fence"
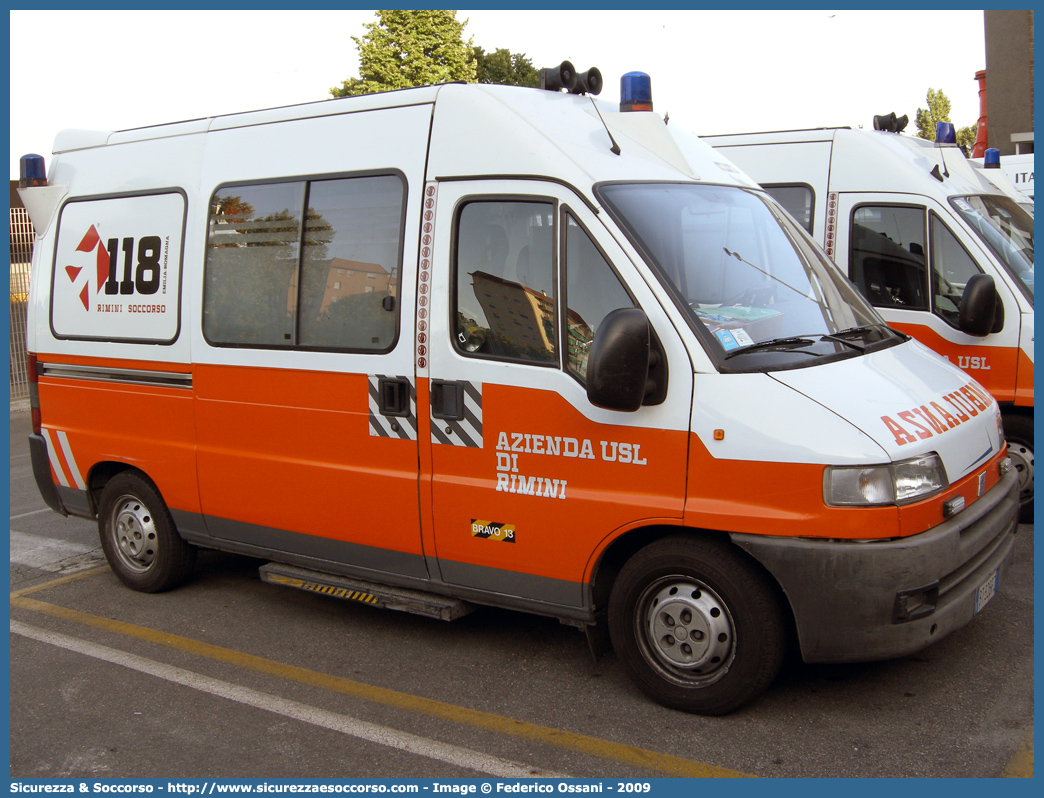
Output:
[[22, 237]]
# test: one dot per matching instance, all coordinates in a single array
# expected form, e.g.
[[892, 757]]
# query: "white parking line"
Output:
[[34, 512], [49, 554], [382, 735]]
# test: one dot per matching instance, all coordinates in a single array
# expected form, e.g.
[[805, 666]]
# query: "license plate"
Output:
[[986, 591]]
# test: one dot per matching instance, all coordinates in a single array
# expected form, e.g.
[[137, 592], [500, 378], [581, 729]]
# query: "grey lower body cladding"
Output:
[[849, 597]]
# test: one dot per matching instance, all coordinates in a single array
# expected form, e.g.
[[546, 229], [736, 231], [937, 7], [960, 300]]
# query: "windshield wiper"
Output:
[[841, 337], [844, 341], [844, 337], [774, 343]]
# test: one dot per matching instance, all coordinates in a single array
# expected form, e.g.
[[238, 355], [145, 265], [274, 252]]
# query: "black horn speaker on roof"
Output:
[[891, 123], [589, 82], [557, 78]]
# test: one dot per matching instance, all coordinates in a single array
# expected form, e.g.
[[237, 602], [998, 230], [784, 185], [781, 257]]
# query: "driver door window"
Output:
[[505, 281], [887, 257], [893, 268]]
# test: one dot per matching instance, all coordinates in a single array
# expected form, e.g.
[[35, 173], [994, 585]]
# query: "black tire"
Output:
[[1018, 429], [139, 538], [732, 638]]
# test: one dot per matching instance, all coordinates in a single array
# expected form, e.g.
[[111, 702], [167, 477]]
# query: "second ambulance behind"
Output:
[[465, 345], [915, 224]]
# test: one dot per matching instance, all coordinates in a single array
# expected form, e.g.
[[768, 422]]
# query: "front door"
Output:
[[912, 263], [528, 479]]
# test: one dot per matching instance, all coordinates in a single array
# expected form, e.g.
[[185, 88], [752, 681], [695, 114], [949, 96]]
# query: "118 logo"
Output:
[[141, 270]]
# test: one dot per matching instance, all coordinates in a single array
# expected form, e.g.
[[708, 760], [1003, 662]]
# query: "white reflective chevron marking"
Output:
[[63, 439], [52, 455]]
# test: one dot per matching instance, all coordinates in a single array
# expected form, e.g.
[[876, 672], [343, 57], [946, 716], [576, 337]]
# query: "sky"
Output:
[[712, 71]]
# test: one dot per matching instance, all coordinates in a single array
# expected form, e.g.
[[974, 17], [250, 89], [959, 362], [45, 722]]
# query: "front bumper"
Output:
[[849, 597]]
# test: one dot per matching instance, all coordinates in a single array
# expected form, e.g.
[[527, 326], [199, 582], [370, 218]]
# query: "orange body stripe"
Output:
[[147, 427], [554, 537], [1024, 389], [292, 450], [996, 368]]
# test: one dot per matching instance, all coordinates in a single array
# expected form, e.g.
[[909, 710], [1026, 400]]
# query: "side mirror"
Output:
[[978, 311], [471, 339], [618, 366]]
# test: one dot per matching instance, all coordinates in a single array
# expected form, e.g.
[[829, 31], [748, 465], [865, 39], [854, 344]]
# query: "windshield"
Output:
[[1006, 229], [751, 282]]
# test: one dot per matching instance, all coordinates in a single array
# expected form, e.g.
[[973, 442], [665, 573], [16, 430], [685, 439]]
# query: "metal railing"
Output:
[[22, 237]]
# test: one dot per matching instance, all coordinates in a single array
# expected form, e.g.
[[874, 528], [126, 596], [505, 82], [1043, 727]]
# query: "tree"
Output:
[[410, 48], [505, 68], [966, 138], [938, 110]]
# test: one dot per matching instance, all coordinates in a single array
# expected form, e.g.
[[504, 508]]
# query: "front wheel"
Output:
[[1018, 430], [138, 536], [696, 625]]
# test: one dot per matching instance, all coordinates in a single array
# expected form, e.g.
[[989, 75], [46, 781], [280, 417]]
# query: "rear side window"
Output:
[[117, 270], [305, 264], [797, 200]]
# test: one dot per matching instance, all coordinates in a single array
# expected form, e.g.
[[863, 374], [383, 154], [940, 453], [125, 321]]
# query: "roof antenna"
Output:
[[938, 132], [945, 136], [615, 149]]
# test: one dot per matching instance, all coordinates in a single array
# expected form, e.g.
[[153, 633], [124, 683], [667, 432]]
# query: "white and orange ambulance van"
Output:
[[471, 344], [990, 164], [914, 224]]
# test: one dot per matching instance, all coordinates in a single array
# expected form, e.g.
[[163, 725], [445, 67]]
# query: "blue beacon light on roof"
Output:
[[32, 171], [945, 134], [636, 92]]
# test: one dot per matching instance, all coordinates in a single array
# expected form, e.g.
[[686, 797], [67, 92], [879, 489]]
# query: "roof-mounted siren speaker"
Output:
[[991, 158], [945, 134], [890, 123], [636, 92], [560, 77], [32, 171], [589, 82]]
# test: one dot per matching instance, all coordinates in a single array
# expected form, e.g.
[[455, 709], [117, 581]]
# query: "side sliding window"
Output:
[[305, 264], [797, 200]]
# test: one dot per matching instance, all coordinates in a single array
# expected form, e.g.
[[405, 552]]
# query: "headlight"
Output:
[[873, 486]]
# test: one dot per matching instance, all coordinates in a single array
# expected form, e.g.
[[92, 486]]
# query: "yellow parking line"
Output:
[[592, 746], [61, 580]]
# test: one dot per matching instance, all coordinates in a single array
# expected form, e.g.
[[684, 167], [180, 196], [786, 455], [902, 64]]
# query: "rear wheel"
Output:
[[138, 536], [1018, 429], [697, 626]]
